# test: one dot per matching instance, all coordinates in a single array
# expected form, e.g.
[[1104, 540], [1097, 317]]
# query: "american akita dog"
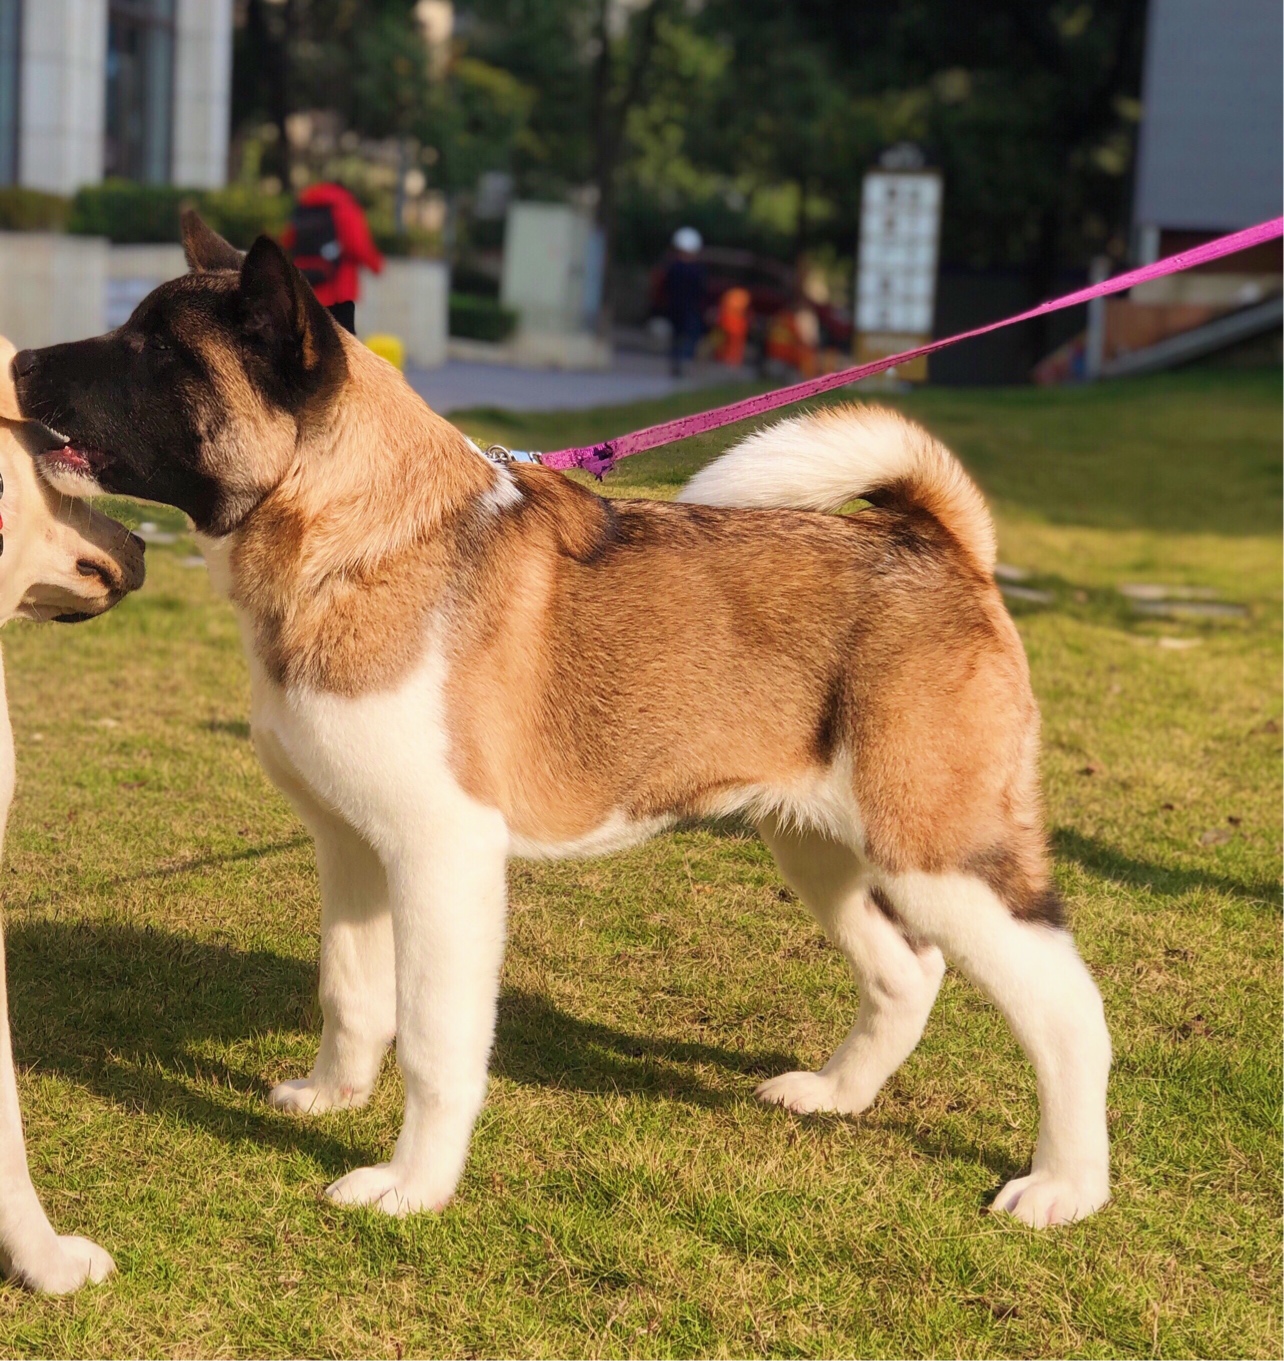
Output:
[[455, 662], [59, 560]]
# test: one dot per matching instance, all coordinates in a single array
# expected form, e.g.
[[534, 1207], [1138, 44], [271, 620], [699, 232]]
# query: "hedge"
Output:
[[133, 214], [130, 214], [29, 210], [474, 318]]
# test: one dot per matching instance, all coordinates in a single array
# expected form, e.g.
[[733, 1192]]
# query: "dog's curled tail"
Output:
[[823, 459]]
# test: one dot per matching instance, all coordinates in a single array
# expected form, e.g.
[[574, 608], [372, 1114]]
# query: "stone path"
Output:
[[459, 385], [1144, 598]]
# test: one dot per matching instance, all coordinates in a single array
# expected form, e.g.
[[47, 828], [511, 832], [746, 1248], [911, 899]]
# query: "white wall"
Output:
[[1210, 150], [132, 273], [63, 93], [52, 287], [202, 92], [410, 300], [546, 262], [55, 288]]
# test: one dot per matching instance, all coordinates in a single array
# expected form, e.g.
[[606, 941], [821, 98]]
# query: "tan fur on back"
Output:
[[661, 655]]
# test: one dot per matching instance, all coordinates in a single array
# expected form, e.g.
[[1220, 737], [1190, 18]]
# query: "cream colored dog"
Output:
[[59, 560]]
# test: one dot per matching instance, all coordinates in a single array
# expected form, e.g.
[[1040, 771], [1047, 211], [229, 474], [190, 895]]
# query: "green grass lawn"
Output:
[[626, 1195]]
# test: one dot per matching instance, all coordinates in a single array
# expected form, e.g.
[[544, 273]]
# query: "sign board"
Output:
[[900, 228]]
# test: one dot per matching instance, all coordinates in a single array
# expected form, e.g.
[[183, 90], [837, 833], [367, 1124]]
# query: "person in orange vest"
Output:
[[733, 322], [329, 239]]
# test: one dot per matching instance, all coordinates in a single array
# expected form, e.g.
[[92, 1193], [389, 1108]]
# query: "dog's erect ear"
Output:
[[281, 308], [205, 249]]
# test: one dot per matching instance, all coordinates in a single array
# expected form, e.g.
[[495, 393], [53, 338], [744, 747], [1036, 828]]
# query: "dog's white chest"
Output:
[[379, 760]]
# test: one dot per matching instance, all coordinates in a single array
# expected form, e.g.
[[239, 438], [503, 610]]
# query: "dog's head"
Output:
[[59, 558], [202, 398]]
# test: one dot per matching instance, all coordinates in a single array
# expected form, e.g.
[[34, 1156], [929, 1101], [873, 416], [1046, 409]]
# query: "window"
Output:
[[10, 39], [140, 82]]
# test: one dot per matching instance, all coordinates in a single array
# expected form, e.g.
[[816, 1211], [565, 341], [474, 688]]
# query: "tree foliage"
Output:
[[764, 113]]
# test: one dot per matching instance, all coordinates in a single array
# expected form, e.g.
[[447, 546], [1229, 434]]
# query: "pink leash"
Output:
[[601, 458]]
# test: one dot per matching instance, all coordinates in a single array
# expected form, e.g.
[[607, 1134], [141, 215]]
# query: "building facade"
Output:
[[138, 89], [1210, 151]]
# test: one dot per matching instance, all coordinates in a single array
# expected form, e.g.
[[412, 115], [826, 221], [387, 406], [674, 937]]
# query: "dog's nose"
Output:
[[139, 543], [23, 363]]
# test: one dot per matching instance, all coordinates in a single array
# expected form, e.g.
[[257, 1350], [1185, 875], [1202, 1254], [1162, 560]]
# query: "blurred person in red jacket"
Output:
[[329, 238]]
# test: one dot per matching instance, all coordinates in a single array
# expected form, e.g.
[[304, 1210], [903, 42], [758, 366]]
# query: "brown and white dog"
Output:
[[454, 663], [61, 560]]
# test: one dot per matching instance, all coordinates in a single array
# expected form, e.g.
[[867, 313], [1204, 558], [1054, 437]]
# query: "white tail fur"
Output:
[[823, 459]]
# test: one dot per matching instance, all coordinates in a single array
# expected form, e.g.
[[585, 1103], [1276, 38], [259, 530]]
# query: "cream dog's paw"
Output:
[[61, 1264], [807, 1092]]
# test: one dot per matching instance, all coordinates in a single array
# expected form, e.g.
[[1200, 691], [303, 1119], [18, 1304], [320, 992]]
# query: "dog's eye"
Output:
[[159, 343]]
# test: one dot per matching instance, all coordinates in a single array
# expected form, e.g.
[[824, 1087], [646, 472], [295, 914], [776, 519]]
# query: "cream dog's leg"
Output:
[[30, 1250]]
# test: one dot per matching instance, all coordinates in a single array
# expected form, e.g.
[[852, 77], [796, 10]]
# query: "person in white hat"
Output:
[[684, 285]]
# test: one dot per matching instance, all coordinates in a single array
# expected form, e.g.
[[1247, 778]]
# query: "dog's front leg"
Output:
[[30, 1250], [447, 893], [357, 985], [358, 1006]]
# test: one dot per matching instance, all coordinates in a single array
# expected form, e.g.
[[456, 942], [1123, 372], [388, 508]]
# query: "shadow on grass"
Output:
[[229, 727], [1097, 857], [165, 870], [126, 1011], [538, 1044]]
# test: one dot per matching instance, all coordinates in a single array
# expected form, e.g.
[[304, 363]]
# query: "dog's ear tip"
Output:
[[265, 253], [204, 248]]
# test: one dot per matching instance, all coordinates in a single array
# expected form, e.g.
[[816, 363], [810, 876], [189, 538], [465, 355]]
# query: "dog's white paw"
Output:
[[61, 1264], [386, 1188], [807, 1092], [1043, 1199], [306, 1096]]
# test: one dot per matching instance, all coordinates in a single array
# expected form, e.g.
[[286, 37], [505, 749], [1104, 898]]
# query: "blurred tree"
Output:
[[782, 112], [262, 46], [476, 120], [1028, 106], [589, 64], [767, 111]]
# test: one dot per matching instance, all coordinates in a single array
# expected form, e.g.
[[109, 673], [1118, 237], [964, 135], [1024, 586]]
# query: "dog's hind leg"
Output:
[[898, 981], [357, 986], [1033, 974]]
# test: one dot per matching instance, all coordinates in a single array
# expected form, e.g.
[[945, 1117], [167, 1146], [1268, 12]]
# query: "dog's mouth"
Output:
[[71, 463]]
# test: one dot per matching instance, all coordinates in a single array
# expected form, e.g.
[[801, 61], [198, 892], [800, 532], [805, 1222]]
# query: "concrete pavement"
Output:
[[459, 385]]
